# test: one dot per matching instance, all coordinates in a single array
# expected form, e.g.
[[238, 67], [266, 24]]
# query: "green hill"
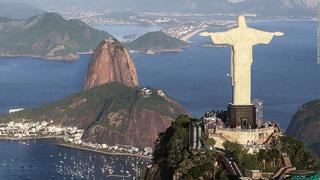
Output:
[[305, 125], [112, 113], [47, 36], [172, 156], [156, 41]]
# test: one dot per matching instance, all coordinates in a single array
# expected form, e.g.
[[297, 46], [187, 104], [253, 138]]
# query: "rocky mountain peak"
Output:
[[111, 63]]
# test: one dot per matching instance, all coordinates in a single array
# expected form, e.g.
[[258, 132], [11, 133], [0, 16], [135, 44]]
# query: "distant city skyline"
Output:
[[182, 5]]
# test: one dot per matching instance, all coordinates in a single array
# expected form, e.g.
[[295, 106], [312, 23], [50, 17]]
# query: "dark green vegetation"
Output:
[[271, 160], [111, 113], [47, 36], [300, 156], [156, 41], [173, 157], [305, 125]]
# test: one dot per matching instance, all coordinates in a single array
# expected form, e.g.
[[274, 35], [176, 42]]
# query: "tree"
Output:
[[173, 155], [236, 150], [299, 155]]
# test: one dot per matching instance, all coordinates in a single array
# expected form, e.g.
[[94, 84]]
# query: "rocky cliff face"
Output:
[[111, 113], [112, 109], [111, 62], [305, 125]]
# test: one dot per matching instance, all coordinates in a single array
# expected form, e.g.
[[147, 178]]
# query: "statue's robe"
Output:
[[242, 40]]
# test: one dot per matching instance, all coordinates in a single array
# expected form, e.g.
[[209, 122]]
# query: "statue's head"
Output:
[[242, 21]]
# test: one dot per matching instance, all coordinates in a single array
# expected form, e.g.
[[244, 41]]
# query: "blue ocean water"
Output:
[[26, 82], [118, 31], [43, 159], [285, 76]]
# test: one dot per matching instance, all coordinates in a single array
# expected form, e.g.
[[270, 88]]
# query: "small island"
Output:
[[156, 42]]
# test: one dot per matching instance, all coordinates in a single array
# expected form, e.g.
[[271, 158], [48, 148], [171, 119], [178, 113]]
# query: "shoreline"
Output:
[[101, 152], [58, 58], [27, 138], [188, 36], [155, 52], [76, 56], [56, 138], [40, 58]]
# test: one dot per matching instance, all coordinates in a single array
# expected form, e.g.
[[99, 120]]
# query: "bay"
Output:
[[285, 76]]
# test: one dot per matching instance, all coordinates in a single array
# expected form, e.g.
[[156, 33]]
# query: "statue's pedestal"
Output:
[[242, 116]]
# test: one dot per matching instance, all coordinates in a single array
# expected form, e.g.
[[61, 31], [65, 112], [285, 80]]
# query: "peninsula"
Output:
[[47, 36], [112, 114]]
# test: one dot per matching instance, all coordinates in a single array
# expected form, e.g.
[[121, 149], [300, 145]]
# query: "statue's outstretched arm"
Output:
[[219, 37], [264, 37]]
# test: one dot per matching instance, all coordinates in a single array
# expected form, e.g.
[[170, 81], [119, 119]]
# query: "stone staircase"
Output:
[[287, 167]]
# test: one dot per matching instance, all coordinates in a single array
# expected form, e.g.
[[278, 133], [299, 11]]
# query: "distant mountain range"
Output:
[[47, 36], [18, 10], [277, 7], [263, 7], [260, 7], [156, 41]]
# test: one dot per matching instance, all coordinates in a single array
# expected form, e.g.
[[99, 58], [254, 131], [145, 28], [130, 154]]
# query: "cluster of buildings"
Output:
[[147, 92], [71, 136], [180, 31], [121, 149], [44, 129], [99, 16], [217, 125]]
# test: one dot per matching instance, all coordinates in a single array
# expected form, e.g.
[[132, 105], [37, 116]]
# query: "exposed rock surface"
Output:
[[111, 114], [305, 125], [112, 109], [111, 62]]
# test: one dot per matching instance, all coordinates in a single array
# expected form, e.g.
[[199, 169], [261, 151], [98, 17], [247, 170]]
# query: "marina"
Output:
[[67, 163]]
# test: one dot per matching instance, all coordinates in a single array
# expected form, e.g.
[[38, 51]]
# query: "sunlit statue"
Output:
[[242, 39]]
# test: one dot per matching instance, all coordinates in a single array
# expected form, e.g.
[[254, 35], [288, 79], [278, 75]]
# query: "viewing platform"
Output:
[[253, 139]]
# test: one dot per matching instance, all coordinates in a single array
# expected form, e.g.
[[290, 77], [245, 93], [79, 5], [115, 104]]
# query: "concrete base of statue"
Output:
[[242, 116]]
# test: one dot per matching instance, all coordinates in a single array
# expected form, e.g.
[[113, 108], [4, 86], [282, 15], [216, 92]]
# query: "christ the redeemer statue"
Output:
[[242, 39]]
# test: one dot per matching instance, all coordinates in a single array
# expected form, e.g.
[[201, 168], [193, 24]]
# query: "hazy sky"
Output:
[[266, 7], [111, 3]]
